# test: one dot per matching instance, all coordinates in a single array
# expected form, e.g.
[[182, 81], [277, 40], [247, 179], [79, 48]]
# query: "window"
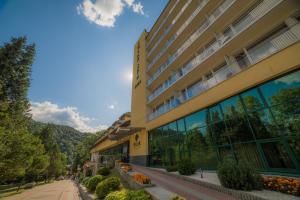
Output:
[[231, 107], [281, 160], [215, 114], [282, 90], [195, 120], [263, 124], [252, 100]]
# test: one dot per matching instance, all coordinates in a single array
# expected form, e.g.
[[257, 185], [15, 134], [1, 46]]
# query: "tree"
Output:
[[17, 145], [57, 160], [82, 152], [16, 59]]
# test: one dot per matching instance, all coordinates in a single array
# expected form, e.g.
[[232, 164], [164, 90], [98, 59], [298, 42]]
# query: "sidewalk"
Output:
[[183, 188], [58, 190]]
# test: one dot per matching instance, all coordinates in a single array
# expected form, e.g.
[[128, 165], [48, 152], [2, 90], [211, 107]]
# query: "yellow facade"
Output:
[[206, 23]]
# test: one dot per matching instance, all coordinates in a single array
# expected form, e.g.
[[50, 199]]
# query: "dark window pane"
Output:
[[215, 114], [252, 100], [282, 90], [195, 120], [225, 151], [219, 133], [250, 153], [199, 149], [295, 146], [263, 124], [277, 156], [238, 129]]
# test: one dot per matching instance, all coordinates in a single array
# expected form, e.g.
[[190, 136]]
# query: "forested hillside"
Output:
[[65, 136]]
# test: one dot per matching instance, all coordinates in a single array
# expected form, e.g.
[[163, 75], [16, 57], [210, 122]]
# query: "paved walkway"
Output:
[[186, 189], [58, 190]]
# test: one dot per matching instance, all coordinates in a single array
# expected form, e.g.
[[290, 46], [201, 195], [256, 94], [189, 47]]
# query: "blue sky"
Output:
[[81, 72]]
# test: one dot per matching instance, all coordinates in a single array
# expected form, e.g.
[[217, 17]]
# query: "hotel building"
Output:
[[218, 77]]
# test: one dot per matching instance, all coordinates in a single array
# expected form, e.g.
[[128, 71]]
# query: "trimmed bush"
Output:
[[104, 171], [186, 167], [108, 185], [177, 197], [171, 168], [85, 180], [138, 195], [118, 195], [128, 195], [93, 182], [238, 175]]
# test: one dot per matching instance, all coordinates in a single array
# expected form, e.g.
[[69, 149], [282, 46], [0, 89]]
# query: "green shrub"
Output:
[[85, 180], [177, 197], [108, 185], [238, 175], [128, 195], [117, 195], [171, 168], [93, 182], [104, 171], [138, 195], [186, 167]]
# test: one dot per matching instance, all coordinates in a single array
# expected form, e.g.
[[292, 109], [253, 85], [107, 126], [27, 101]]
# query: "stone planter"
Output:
[[130, 180]]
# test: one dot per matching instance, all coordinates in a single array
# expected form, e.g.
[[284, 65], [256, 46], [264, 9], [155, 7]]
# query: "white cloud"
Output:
[[52, 113], [138, 8], [112, 106], [104, 12]]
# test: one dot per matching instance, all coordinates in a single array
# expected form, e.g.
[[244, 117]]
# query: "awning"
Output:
[[123, 132]]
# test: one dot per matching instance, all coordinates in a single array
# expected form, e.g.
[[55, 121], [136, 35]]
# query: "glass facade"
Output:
[[261, 125]]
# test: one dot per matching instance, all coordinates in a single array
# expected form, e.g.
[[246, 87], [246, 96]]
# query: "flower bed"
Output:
[[141, 178], [281, 184]]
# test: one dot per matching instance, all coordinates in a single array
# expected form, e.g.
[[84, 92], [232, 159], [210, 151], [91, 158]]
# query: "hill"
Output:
[[66, 136]]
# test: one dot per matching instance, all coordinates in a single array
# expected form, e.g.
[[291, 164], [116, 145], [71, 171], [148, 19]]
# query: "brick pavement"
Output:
[[186, 189]]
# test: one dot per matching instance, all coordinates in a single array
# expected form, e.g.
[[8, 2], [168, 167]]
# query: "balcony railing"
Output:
[[210, 20], [262, 50], [263, 8], [162, 23], [175, 36], [169, 28]]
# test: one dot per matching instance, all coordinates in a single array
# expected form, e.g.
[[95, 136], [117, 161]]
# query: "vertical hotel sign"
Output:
[[138, 80]]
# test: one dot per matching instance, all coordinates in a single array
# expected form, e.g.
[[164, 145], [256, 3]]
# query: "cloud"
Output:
[[51, 113], [105, 12], [112, 106]]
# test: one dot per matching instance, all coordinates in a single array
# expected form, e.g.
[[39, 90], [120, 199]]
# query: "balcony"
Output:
[[175, 36], [169, 28], [203, 27], [231, 32], [264, 49], [162, 23]]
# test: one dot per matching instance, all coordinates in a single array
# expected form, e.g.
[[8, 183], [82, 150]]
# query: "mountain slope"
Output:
[[66, 137]]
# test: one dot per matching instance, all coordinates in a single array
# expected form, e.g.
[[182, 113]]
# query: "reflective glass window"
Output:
[[238, 129], [215, 114], [252, 100], [218, 131], [181, 126], [287, 117], [263, 124], [195, 120], [250, 153], [282, 90], [281, 160], [232, 107], [295, 146]]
